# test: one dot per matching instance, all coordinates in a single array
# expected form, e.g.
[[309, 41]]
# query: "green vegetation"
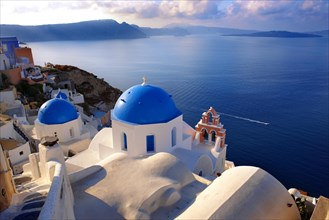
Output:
[[32, 92], [4, 81]]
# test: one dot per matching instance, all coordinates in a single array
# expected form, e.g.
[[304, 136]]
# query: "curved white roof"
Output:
[[243, 193]]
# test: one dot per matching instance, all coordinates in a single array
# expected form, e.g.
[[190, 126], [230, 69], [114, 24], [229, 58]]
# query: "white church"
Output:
[[59, 117], [145, 121]]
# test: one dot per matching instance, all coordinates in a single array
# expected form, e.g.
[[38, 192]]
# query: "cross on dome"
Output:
[[144, 81]]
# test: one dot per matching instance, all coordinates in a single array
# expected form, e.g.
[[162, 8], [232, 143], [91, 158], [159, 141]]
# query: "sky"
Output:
[[292, 15]]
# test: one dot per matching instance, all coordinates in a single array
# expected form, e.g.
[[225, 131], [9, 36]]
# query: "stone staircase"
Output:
[[32, 142]]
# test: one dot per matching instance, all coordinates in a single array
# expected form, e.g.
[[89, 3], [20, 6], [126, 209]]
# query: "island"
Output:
[[278, 34]]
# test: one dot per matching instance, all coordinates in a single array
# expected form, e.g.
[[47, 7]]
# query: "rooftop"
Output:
[[57, 111], [120, 191], [9, 144], [145, 104]]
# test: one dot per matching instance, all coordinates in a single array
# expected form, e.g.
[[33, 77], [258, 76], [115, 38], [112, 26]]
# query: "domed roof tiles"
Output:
[[145, 104], [57, 111]]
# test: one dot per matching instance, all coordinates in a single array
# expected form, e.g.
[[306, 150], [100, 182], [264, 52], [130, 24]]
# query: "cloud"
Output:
[[281, 8], [241, 13], [290, 14], [203, 9]]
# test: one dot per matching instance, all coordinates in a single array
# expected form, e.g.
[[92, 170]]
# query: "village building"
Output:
[[17, 62], [59, 117], [149, 165]]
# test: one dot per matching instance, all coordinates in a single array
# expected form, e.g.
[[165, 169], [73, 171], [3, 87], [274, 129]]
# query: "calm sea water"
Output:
[[252, 81]]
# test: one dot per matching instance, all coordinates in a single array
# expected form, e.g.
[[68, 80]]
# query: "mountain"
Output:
[[280, 34], [110, 29], [87, 30], [192, 29], [175, 31], [323, 33]]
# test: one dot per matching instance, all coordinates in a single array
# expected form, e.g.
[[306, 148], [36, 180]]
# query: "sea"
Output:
[[271, 93]]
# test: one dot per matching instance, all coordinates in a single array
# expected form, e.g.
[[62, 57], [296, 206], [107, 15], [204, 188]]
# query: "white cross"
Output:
[[144, 80]]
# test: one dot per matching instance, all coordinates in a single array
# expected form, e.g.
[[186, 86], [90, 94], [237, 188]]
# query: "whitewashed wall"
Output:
[[62, 130], [136, 136], [8, 97], [19, 153]]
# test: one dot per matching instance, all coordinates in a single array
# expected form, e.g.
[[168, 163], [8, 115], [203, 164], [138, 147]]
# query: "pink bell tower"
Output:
[[210, 127]]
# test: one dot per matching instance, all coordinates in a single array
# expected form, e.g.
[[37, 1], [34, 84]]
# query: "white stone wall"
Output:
[[136, 136], [220, 163], [4, 59], [65, 132], [19, 153], [60, 200], [7, 130], [77, 98], [102, 140], [8, 97]]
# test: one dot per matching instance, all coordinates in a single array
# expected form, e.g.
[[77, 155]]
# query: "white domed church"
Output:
[[59, 117], [145, 120]]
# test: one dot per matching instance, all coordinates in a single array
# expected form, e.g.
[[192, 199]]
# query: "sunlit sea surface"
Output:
[[272, 92]]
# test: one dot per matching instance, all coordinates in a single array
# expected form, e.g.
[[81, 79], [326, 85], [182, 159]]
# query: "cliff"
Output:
[[94, 89], [87, 30]]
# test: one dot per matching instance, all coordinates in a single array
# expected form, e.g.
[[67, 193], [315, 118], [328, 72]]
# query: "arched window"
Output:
[[150, 143], [205, 134], [210, 118], [125, 143], [213, 136], [173, 136]]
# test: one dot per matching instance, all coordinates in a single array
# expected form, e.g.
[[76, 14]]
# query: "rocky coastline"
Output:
[[95, 90]]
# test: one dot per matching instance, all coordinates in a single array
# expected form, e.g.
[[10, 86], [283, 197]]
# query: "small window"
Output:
[[173, 137], [125, 143], [71, 132], [21, 153], [150, 143]]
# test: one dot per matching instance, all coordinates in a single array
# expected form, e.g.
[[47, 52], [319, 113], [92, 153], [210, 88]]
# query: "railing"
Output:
[[33, 143], [19, 131], [59, 203]]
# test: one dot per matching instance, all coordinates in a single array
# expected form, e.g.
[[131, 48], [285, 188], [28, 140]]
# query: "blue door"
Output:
[[150, 143]]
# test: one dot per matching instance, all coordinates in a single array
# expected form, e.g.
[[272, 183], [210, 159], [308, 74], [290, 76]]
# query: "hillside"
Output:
[[110, 29], [199, 29], [164, 31], [88, 30], [94, 89], [324, 33]]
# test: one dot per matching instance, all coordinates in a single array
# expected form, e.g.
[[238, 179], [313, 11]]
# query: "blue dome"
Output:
[[145, 104], [61, 95], [57, 111]]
